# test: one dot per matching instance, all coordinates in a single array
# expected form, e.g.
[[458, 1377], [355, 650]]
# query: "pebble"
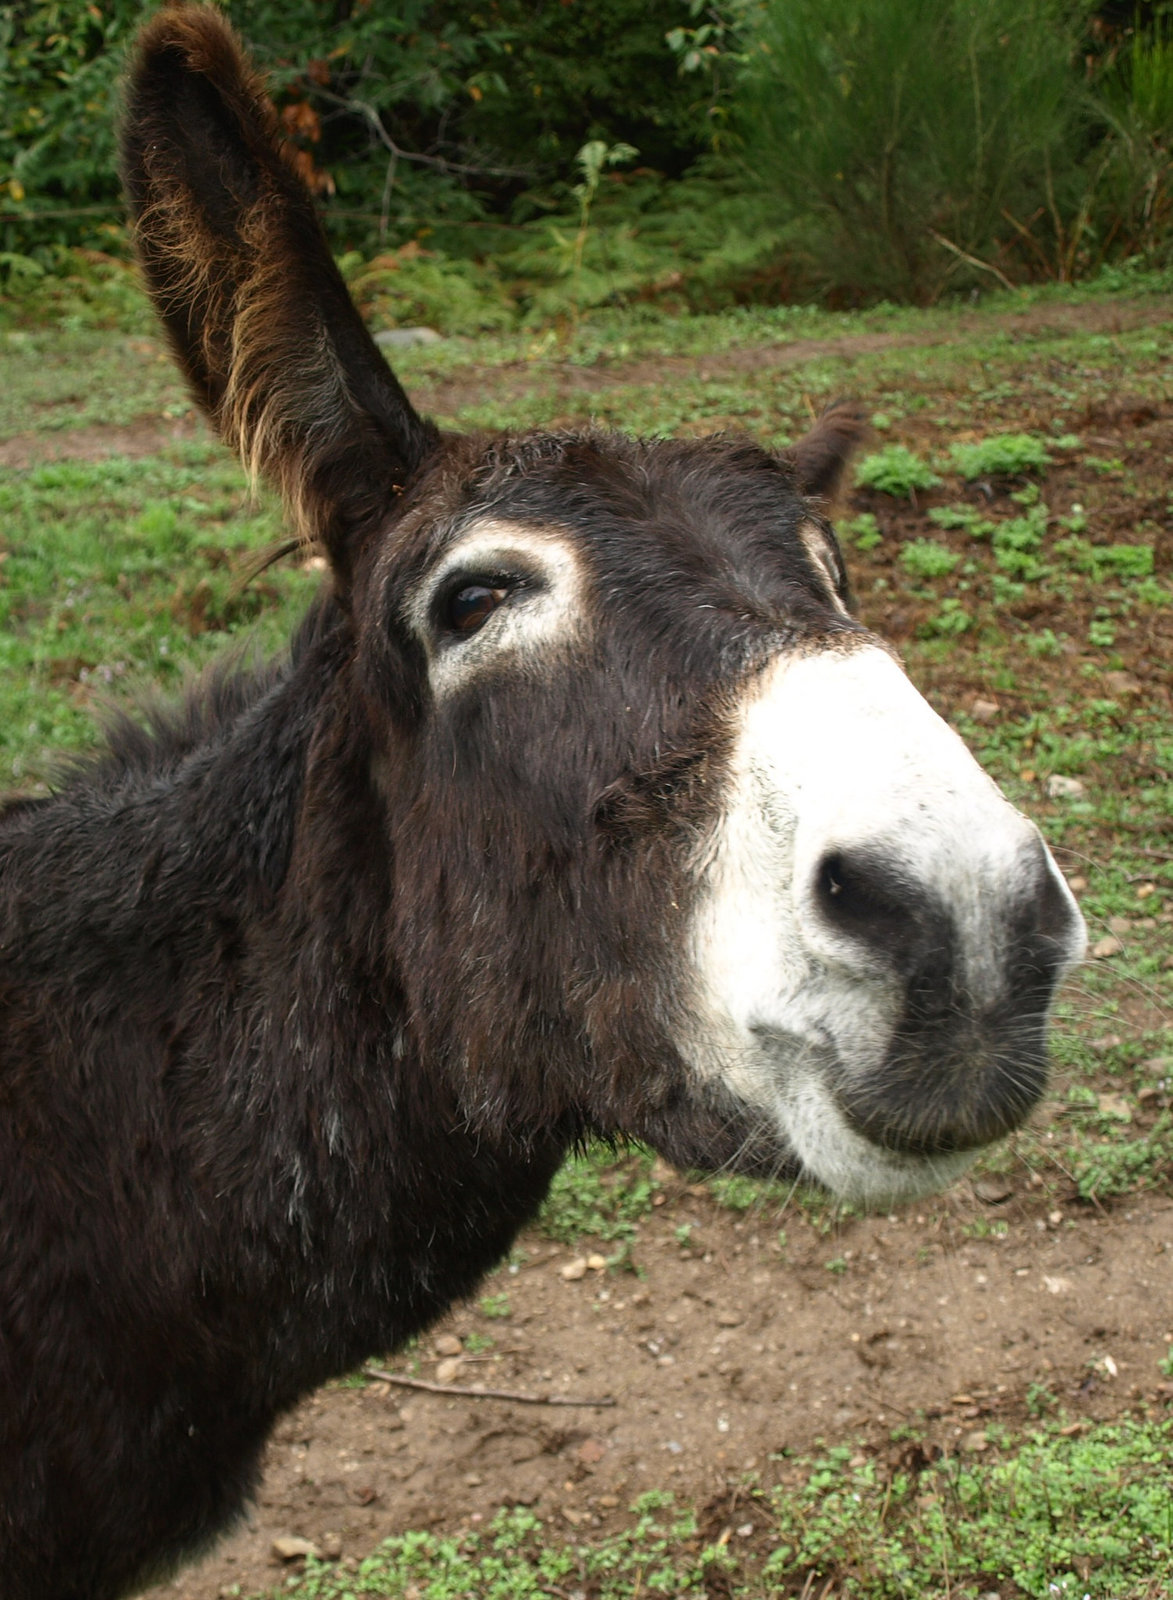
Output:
[[448, 1345], [1063, 788], [1119, 925], [330, 1544], [1057, 1285], [1114, 1105], [597, 1263], [1110, 1041], [1103, 948], [405, 338], [993, 1191], [447, 1370], [975, 1441], [984, 710], [573, 1270], [730, 1319], [1078, 884], [291, 1548], [1122, 683]]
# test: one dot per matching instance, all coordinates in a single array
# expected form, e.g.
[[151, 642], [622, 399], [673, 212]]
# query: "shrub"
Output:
[[915, 143], [895, 470]]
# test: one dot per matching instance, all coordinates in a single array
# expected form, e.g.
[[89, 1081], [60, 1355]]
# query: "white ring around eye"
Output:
[[546, 609]]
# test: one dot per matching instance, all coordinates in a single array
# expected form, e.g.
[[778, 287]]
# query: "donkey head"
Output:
[[676, 849]]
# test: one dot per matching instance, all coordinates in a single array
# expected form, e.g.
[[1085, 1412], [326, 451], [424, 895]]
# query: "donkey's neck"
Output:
[[209, 962]]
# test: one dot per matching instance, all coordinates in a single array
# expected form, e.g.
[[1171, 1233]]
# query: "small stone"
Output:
[[1145, 891], [745, 1531], [1062, 788], [1054, 1218], [330, 1544], [1122, 683], [1103, 948], [596, 1263], [447, 1370], [291, 1548], [984, 710], [405, 338], [1114, 1105], [1057, 1285], [473, 1480], [448, 1345], [975, 1442], [1119, 924], [993, 1191], [1078, 884], [730, 1319], [1157, 1066], [1110, 1041], [573, 1270], [591, 1452], [607, 1502]]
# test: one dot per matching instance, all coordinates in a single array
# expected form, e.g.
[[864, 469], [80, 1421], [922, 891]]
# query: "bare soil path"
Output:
[[725, 1356]]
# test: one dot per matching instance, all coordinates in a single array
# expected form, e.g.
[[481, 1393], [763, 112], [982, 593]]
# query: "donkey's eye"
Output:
[[469, 608]]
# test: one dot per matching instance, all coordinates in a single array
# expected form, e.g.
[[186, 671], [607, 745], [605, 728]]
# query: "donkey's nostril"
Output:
[[873, 903]]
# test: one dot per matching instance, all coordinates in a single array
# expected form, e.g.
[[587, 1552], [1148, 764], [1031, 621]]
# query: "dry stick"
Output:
[[973, 261], [479, 1393]]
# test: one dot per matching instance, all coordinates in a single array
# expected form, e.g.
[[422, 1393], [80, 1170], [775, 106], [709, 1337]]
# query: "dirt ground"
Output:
[[725, 1356], [733, 1346]]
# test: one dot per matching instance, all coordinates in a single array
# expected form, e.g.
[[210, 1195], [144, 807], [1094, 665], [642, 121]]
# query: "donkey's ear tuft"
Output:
[[821, 457], [240, 272]]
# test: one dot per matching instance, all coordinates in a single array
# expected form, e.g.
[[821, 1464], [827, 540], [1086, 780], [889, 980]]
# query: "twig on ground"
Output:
[[477, 1392]]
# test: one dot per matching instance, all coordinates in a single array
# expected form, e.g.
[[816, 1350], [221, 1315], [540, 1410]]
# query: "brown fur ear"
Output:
[[243, 279], [820, 457]]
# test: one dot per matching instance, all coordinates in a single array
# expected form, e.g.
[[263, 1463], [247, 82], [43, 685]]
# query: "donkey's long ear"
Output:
[[242, 277], [820, 457]]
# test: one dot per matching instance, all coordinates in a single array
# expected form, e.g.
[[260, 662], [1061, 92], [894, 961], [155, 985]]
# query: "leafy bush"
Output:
[[409, 286], [1006, 455], [895, 470]]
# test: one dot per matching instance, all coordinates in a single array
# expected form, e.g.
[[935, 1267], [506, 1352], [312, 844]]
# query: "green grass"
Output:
[[1086, 1514], [120, 573]]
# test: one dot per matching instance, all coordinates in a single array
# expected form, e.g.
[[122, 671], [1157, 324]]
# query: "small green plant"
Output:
[[1045, 644], [949, 622], [1005, 455], [962, 516], [925, 558], [496, 1307], [863, 531], [1040, 1399], [895, 470], [837, 1265], [600, 1194], [1101, 633]]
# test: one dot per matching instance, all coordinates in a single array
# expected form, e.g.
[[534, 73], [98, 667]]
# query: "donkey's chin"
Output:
[[851, 1166]]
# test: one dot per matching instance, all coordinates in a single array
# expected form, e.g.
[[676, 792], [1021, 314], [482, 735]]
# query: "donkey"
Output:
[[581, 806]]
